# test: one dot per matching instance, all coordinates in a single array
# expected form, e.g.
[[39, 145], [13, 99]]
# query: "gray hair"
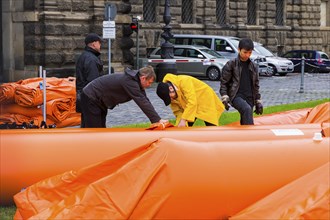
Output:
[[148, 72]]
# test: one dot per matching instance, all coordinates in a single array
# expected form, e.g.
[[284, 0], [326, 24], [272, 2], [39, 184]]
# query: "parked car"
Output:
[[193, 60], [280, 65], [315, 61], [226, 46]]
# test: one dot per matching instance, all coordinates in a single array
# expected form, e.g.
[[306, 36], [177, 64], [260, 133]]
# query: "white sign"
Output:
[[109, 24], [287, 132], [109, 30], [109, 33]]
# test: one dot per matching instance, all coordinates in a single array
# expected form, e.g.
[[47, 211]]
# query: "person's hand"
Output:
[[163, 121], [225, 101], [259, 108], [182, 123]]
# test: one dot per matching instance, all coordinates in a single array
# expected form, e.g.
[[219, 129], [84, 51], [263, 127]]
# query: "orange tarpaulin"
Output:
[[198, 172], [57, 109], [172, 179], [28, 97], [304, 198], [31, 95], [318, 114]]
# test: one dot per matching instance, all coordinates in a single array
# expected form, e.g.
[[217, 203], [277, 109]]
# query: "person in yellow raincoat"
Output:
[[190, 99]]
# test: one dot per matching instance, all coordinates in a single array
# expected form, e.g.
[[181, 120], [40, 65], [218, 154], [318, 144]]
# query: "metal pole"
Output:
[[302, 75], [109, 45], [40, 71], [137, 48], [44, 95]]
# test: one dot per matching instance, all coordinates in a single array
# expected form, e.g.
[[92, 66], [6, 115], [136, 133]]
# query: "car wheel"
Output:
[[273, 70], [213, 73], [283, 74], [270, 71]]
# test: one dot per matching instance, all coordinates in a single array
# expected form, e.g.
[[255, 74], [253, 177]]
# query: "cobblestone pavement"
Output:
[[274, 90]]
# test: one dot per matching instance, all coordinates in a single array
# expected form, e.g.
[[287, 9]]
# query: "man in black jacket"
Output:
[[240, 84], [89, 65], [107, 91]]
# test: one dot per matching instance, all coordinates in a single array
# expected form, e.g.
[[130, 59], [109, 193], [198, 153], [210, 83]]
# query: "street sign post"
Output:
[[109, 27]]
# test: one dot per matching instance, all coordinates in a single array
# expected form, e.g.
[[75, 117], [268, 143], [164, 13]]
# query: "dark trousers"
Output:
[[190, 124], [93, 115], [245, 110]]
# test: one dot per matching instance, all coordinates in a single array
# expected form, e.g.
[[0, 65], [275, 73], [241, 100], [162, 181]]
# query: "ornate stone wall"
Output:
[[52, 31]]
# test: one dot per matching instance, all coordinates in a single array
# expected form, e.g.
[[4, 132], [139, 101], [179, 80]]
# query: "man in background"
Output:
[[239, 85], [89, 66]]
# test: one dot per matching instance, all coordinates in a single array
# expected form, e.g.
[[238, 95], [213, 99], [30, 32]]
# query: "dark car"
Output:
[[315, 61]]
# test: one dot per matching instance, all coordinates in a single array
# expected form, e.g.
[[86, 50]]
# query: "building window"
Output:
[[149, 11], [221, 12], [252, 12], [325, 13], [187, 11], [279, 12]]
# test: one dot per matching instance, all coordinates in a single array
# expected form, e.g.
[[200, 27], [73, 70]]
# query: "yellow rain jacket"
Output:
[[195, 100]]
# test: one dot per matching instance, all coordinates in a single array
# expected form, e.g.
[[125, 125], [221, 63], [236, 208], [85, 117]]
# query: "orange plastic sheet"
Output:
[[208, 172], [57, 109], [7, 92], [318, 114], [30, 94], [20, 101], [72, 120], [304, 198], [175, 179]]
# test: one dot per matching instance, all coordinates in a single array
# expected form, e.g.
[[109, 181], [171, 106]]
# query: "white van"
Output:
[[225, 45]]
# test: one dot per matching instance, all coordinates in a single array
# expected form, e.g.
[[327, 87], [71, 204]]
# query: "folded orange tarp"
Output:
[[57, 109], [72, 120], [7, 92], [30, 94], [174, 179]]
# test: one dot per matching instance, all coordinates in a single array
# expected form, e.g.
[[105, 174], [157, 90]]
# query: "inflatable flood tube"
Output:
[[28, 156], [178, 179]]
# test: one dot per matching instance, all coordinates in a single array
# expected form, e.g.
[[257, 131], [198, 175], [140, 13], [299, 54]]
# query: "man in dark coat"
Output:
[[240, 84], [89, 65], [107, 91]]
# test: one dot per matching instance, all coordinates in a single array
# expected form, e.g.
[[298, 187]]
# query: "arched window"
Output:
[[187, 11], [149, 11], [221, 11]]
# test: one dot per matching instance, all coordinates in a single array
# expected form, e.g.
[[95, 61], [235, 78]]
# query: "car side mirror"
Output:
[[229, 49], [200, 56]]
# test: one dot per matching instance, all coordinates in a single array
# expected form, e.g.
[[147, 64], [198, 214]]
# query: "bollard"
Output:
[[302, 75]]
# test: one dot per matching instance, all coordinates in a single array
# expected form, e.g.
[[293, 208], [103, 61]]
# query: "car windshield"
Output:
[[212, 53], [262, 50]]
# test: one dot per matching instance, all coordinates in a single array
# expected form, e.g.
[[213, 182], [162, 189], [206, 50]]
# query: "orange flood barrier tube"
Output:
[[28, 156], [175, 179], [265, 156]]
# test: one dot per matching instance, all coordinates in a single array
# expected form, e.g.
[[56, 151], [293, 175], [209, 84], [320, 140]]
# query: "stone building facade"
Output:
[[50, 33]]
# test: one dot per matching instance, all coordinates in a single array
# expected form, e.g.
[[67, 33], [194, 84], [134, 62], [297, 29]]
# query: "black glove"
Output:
[[259, 108], [225, 103], [225, 100]]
